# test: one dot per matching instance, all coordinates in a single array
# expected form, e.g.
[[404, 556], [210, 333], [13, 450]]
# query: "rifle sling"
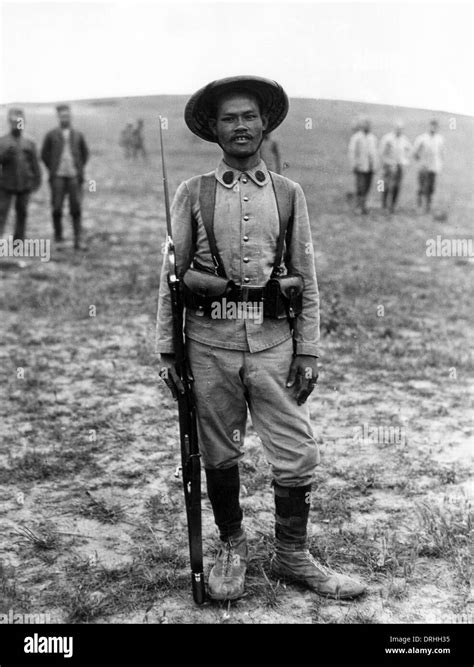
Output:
[[285, 203], [207, 203]]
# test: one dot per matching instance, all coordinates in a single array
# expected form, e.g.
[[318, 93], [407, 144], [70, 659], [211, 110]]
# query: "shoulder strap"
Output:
[[207, 202], [284, 195]]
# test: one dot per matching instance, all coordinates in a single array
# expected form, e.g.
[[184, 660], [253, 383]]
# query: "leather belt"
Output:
[[245, 294]]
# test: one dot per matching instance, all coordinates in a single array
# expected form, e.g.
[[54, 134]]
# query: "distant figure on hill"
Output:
[[355, 127], [395, 151], [65, 153], [20, 172], [363, 161], [138, 140], [126, 139], [429, 151], [270, 153]]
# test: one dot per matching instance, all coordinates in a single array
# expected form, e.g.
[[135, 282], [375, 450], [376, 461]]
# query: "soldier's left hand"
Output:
[[303, 376]]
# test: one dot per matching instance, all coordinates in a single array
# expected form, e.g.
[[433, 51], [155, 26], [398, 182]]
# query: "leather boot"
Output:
[[227, 577], [292, 561], [299, 566]]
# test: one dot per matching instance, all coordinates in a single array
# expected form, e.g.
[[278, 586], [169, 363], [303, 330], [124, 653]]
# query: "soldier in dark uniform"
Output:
[[138, 140], [231, 222], [20, 173], [65, 153], [126, 139]]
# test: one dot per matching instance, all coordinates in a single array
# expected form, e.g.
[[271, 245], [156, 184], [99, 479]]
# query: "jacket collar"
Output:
[[228, 176]]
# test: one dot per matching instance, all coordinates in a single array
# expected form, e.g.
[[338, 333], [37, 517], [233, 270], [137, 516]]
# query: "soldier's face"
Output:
[[64, 117], [238, 125]]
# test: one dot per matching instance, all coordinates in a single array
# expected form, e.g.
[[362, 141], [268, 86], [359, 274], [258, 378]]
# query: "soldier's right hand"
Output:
[[169, 376]]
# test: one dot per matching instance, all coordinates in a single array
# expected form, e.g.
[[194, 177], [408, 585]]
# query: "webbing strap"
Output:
[[284, 201], [207, 204]]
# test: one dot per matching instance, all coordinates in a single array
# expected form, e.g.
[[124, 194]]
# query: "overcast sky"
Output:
[[416, 54]]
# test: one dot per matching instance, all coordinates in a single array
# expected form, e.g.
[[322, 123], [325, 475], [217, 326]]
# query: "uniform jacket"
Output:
[[395, 150], [363, 151], [53, 147], [246, 227], [19, 166], [429, 149]]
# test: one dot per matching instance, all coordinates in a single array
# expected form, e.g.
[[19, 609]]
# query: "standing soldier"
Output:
[[138, 140], [65, 154], [395, 150], [270, 154], [429, 150], [363, 160], [248, 229], [126, 139], [20, 173]]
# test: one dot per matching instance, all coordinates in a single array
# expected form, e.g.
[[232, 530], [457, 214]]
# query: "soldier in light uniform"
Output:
[[395, 151], [429, 151], [363, 159], [231, 222]]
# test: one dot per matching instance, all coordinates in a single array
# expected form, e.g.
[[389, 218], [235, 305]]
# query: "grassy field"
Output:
[[91, 514]]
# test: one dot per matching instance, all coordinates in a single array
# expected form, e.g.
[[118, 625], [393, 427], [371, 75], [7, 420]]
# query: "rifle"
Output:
[[190, 463]]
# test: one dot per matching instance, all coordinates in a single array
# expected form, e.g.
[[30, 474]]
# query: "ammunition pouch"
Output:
[[281, 297], [284, 297], [201, 290]]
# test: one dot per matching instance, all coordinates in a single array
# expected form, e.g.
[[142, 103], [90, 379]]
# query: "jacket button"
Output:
[[246, 238], [246, 217], [246, 198], [246, 260], [246, 280]]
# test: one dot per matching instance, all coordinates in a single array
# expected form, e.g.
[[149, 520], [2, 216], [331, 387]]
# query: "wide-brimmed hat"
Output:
[[201, 106]]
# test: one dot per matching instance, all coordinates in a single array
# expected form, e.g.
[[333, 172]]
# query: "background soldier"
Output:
[[126, 139], [395, 150], [20, 173], [138, 140], [270, 153], [363, 160], [266, 366], [429, 150], [65, 154]]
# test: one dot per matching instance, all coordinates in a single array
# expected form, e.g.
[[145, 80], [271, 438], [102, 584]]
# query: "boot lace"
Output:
[[228, 558]]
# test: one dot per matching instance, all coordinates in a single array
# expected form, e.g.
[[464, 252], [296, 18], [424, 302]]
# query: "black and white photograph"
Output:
[[236, 254]]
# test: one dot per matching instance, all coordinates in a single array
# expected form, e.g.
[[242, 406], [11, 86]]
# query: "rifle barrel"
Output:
[[165, 182]]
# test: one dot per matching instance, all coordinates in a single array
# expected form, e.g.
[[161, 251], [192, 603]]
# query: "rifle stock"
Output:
[[190, 457]]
